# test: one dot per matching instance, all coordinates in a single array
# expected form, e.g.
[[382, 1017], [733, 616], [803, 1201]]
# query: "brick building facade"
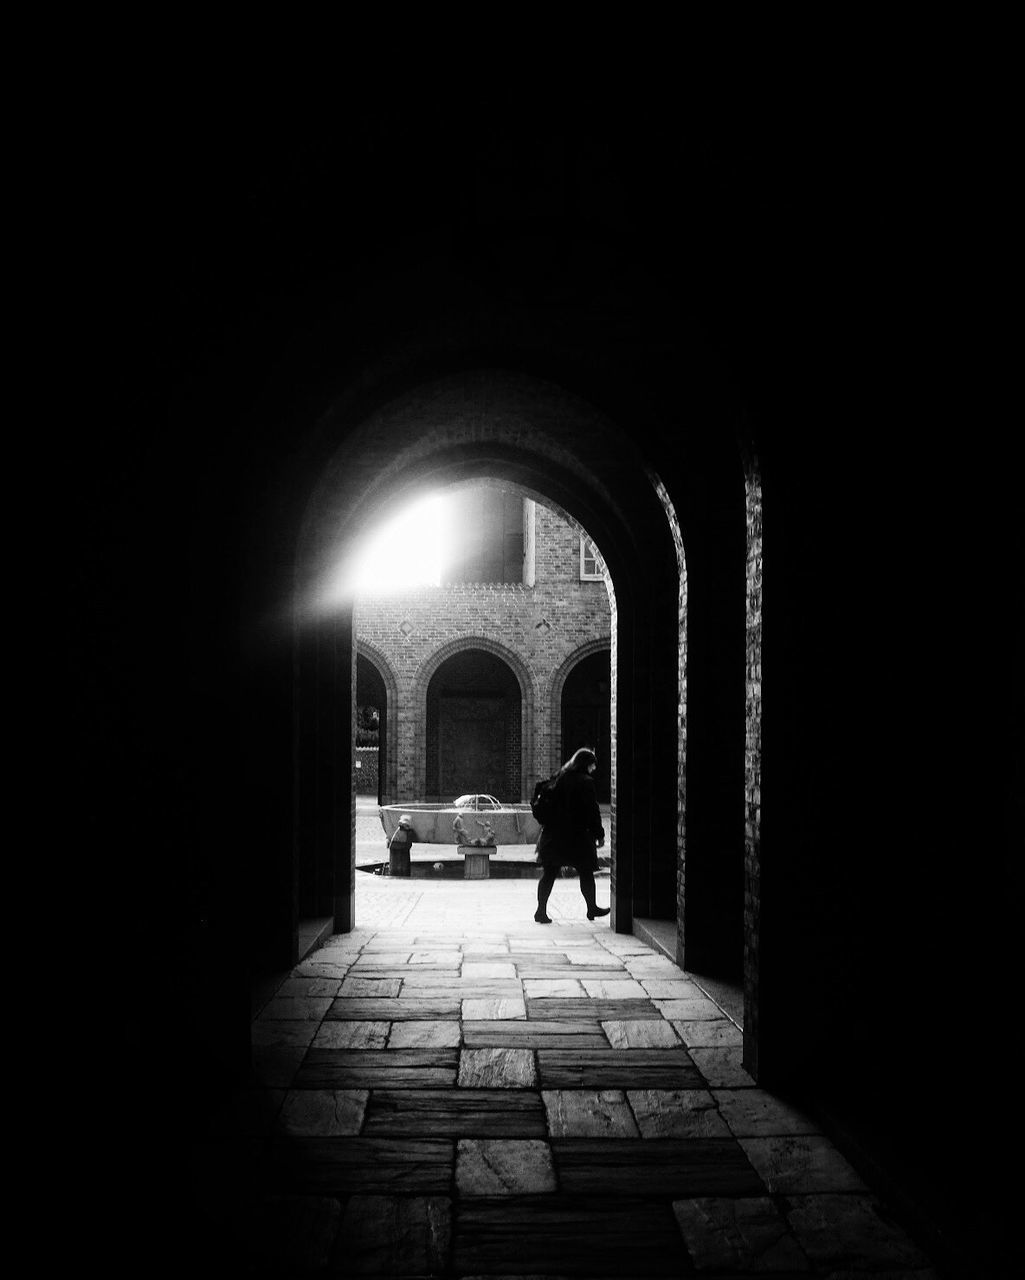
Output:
[[485, 686]]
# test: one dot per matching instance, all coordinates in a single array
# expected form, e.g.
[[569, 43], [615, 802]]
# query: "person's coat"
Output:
[[570, 838]]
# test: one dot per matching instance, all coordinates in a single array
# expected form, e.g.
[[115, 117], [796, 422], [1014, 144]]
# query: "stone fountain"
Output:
[[475, 829]]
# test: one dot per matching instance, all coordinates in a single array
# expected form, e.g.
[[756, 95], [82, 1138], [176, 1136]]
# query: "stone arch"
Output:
[[523, 430], [528, 700], [388, 760]]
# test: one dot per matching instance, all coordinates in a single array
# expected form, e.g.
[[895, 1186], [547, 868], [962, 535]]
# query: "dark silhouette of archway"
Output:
[[473, 728], [585, 716]]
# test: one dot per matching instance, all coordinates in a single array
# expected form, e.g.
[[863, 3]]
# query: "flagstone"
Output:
[[496, 1068], [377, 1068], [291, 1235], [479, 988], [840, 1231], [595, 958], [557, 1235], [363, 1009], [525, 1034], [488, 969], [722, 1067], [460, 1113], [395, 1236], [589, 1113], [351, 1035], [641, 1033], [365, 1165], [669, 988], [308, 986], [451, 958], [321, 969], [563, 973], [677, 1113], [697, 1010], [322, 1113], [424, 1035], [800, 1164], [295, 1008], [370, 987], [554, 1009], [479, 1010], [381, 960], [617, 989], [755, 1113], [710, 1034], [618, 1069], [738, 1235], [267, 1032], [670, 1168], [497, 1167], [539, 989]]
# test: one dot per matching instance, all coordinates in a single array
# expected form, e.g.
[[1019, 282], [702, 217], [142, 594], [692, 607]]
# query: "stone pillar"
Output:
[[477, 863]]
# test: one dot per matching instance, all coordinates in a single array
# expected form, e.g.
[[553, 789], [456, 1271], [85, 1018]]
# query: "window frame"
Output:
[[588, 551]]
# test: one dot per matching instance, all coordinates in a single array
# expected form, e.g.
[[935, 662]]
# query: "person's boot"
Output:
[[541, 914], [593, 911]]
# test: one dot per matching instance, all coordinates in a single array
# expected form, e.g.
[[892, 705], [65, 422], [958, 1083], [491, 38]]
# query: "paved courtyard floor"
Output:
[[453, 1090]]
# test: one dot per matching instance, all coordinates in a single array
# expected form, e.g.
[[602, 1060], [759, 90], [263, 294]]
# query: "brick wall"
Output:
[[539, 630]]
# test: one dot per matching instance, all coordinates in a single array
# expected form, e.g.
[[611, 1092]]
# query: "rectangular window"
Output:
[[488, 537], [591, 564]]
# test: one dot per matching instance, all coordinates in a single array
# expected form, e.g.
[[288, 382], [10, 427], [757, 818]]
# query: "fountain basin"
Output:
[[434, 823]]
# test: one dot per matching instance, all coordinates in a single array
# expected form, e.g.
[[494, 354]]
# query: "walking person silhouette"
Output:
[[573, 834]]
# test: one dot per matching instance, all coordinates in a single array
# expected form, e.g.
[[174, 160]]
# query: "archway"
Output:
[[583, 696], [524, 432], [473, 728]]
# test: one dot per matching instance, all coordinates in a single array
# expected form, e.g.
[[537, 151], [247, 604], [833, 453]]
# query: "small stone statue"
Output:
[[400, 846]]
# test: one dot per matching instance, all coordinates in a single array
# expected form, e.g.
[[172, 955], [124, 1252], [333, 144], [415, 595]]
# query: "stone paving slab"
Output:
[[552, 1010], [322, 1113], [490, 1167], [618, 1069], [677, 1113], [525, 1034], [366, 1165], [793, 1164], [589, 1113], [739, 1236], [672, 1167], [451, 1120], [852, 1231], [423, 1035], [361, 1010], [394, 1236], [353, 1035], [463, 1113], [562, 1235], [377, 1068], [753, 1113], [496, 1068]]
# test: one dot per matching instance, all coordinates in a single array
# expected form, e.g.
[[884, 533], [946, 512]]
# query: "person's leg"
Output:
[[544, 888], [588, 890]]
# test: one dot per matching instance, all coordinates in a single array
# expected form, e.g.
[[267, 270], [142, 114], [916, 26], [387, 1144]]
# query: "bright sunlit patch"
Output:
[[409, 551]]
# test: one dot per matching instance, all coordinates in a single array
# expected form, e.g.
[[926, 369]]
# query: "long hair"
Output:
[[580, 761]]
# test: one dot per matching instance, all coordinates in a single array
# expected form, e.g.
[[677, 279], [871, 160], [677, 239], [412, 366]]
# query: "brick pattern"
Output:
[[753, 767], [540, 631]]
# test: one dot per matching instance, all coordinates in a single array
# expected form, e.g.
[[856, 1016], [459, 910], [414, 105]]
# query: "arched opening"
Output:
[[473, 728], [371, 729], [585, 715], [677, 850]]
